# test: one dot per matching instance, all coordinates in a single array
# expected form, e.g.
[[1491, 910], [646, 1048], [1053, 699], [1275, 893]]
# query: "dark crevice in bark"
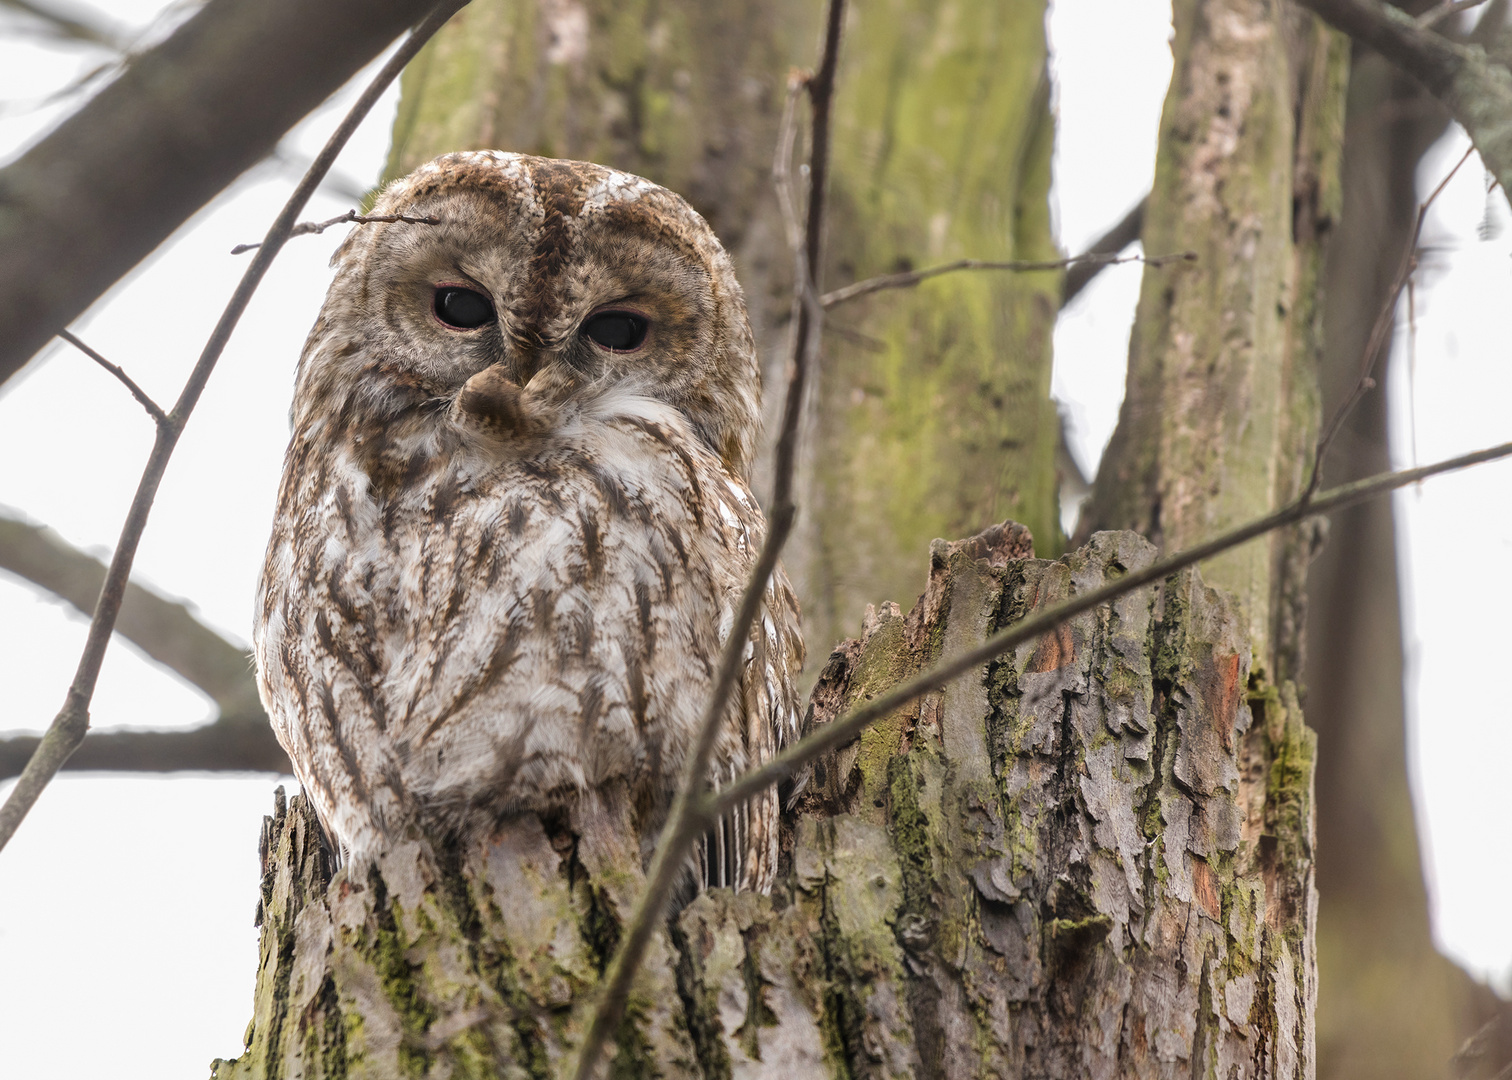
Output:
[[917, 920], [1147, 804], [701, 1012], [840, 1023], [398, 976], [1200, 1049]]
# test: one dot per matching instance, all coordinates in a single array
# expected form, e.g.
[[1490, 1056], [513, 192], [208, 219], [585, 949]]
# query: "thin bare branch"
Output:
[[152, 407], [1441, 11], [846, 728], [913, 277], [684, 825], [315, 228], [1380, 333], [68, 727]]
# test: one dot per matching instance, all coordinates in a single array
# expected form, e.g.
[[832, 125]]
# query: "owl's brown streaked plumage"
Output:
[[505, 555]]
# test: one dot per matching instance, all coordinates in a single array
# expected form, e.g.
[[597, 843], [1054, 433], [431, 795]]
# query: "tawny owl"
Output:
[[514, 520]]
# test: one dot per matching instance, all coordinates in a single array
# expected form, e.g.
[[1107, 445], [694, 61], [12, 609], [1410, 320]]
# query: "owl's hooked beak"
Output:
[[527, 361], [494, 403]]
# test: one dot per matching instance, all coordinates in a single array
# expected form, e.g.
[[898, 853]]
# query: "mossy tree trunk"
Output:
[[1221, 410], [932, 414], [1390, 1006], [1090, 858], [1218, 426]]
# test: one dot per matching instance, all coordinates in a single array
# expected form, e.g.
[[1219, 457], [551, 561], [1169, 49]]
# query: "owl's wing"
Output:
[[741, 851]]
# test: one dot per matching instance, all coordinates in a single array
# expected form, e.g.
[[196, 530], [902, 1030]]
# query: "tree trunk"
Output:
[[1221, 409], [1090, 858], [932, 414], [1390, 1006]]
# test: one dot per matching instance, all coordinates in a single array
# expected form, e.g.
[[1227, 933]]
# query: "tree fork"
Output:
[[1093, 856]]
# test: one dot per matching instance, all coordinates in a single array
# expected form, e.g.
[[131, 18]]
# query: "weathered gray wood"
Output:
[[1090, 858]]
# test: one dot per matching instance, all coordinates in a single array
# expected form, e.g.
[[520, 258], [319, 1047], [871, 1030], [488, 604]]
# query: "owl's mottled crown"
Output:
[[550, 244]]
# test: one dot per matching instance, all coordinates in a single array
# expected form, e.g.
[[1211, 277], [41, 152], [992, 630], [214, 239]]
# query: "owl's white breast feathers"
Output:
[[555, 630]]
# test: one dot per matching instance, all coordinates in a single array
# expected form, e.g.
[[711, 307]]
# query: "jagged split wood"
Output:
[[1092, 858]]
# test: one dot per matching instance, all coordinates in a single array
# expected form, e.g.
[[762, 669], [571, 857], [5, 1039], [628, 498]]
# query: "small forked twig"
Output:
[[1379, 333], [910, 278], [315, 228], [67, 730], [684, 822], [153, 409], [782, 160]]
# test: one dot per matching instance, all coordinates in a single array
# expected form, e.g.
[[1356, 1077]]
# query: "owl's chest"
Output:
[[580, 560]]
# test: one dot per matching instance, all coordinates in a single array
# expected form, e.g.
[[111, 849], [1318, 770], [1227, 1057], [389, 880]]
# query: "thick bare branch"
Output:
[[1474, 87], [165, 631], [240, 739], [230, 744], [68, 727], [181, 122], [1111, 242]]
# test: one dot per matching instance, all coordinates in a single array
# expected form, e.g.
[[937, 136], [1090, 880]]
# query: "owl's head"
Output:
[[561, 280]]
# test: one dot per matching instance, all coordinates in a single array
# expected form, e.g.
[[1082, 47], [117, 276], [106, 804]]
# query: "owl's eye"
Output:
[[617, 331], [463, 308]]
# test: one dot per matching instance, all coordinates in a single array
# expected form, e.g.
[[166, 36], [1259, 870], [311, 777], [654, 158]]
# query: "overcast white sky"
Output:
[[83, 930]]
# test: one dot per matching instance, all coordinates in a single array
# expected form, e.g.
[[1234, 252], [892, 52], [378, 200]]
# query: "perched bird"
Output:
[[514, 520]]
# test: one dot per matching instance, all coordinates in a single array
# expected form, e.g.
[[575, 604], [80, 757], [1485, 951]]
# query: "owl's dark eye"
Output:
[[617, 331], [463, 308]]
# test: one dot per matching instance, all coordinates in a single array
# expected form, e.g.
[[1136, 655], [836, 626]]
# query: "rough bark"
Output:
[[1221, 407], [932, 413], [1389, 1006], [1090, 858]]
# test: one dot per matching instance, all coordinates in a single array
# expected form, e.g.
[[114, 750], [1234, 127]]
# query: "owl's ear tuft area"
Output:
[[493, 402]]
